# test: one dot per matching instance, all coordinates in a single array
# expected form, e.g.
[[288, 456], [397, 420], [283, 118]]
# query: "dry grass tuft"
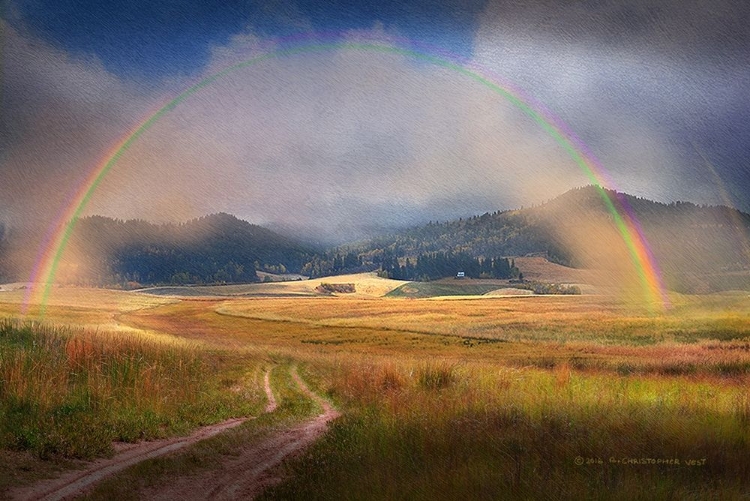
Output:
[[437, 375]]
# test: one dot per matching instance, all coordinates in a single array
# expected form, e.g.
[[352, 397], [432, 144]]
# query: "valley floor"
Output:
[[559, 397]]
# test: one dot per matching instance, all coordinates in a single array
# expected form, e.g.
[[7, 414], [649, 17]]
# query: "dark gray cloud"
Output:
[[640, 83], [335, 144], [59, 114], [715, 31]]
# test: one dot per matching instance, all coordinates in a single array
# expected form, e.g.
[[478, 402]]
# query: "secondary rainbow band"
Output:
[[44, 272]]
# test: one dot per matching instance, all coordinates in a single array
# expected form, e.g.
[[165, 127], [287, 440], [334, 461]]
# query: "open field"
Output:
[[369, 285], [419, 290], [561, 397], [366, 285]]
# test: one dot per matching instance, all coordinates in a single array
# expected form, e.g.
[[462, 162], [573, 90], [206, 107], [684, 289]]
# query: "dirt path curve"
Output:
[[75, 482], [245, 476]]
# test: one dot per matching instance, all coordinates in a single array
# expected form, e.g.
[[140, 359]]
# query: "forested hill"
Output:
[[578, 229], [213, 249], [503, 233]]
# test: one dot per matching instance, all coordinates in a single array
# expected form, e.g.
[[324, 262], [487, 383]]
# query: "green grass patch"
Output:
[[548, 288], [431, 289], [71, 393], [525, 434], [437, 375]]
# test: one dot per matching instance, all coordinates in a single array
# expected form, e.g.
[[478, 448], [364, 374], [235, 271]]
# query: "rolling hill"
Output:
[[698, 248], [213, 249]]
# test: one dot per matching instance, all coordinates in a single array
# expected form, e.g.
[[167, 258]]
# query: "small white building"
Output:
[[460, 274]]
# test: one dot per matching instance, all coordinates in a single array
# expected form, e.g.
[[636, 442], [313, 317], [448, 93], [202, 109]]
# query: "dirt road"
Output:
[[243, 476]]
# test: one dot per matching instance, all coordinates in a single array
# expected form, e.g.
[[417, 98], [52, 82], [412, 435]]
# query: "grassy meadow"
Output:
[[72, 393], [555, 397], [446, 430]]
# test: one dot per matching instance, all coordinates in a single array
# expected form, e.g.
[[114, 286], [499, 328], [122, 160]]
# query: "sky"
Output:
[[336, 145]]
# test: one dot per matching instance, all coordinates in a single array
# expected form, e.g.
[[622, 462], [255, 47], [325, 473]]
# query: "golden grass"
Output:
[[493, 397], [438, 429], [365, 284], [586, 331], [95, 309]]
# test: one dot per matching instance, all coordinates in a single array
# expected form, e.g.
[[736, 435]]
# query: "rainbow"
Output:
[[53, 248]]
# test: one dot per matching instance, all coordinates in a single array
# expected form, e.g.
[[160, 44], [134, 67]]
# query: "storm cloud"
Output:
[[338, 144]]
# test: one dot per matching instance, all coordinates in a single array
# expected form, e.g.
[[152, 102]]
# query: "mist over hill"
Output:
[[218, 248], [690, 243], [698, 248]]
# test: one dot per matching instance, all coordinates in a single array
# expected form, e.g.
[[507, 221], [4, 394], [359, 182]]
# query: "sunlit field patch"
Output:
[[83, 307], [699, 335]]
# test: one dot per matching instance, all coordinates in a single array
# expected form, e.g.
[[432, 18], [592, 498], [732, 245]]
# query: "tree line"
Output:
[[436, 265], [214, 249]]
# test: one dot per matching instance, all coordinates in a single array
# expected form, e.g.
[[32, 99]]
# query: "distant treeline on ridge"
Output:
[[690, 243], [437, 265]]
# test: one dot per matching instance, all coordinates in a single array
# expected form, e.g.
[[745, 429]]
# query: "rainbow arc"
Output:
[[45, 269]]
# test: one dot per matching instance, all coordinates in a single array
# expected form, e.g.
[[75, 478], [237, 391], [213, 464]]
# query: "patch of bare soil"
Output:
[[245, 476], [74, 483]]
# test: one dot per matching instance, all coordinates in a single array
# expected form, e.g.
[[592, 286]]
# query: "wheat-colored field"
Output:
[[497, 397], [365, 285]]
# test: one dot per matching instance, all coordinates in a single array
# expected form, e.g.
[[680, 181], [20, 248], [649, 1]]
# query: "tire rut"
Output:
[[245, 476], [75, 483]]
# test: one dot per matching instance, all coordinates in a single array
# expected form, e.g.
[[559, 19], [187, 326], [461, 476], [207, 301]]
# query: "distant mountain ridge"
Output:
[[689, 243]]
